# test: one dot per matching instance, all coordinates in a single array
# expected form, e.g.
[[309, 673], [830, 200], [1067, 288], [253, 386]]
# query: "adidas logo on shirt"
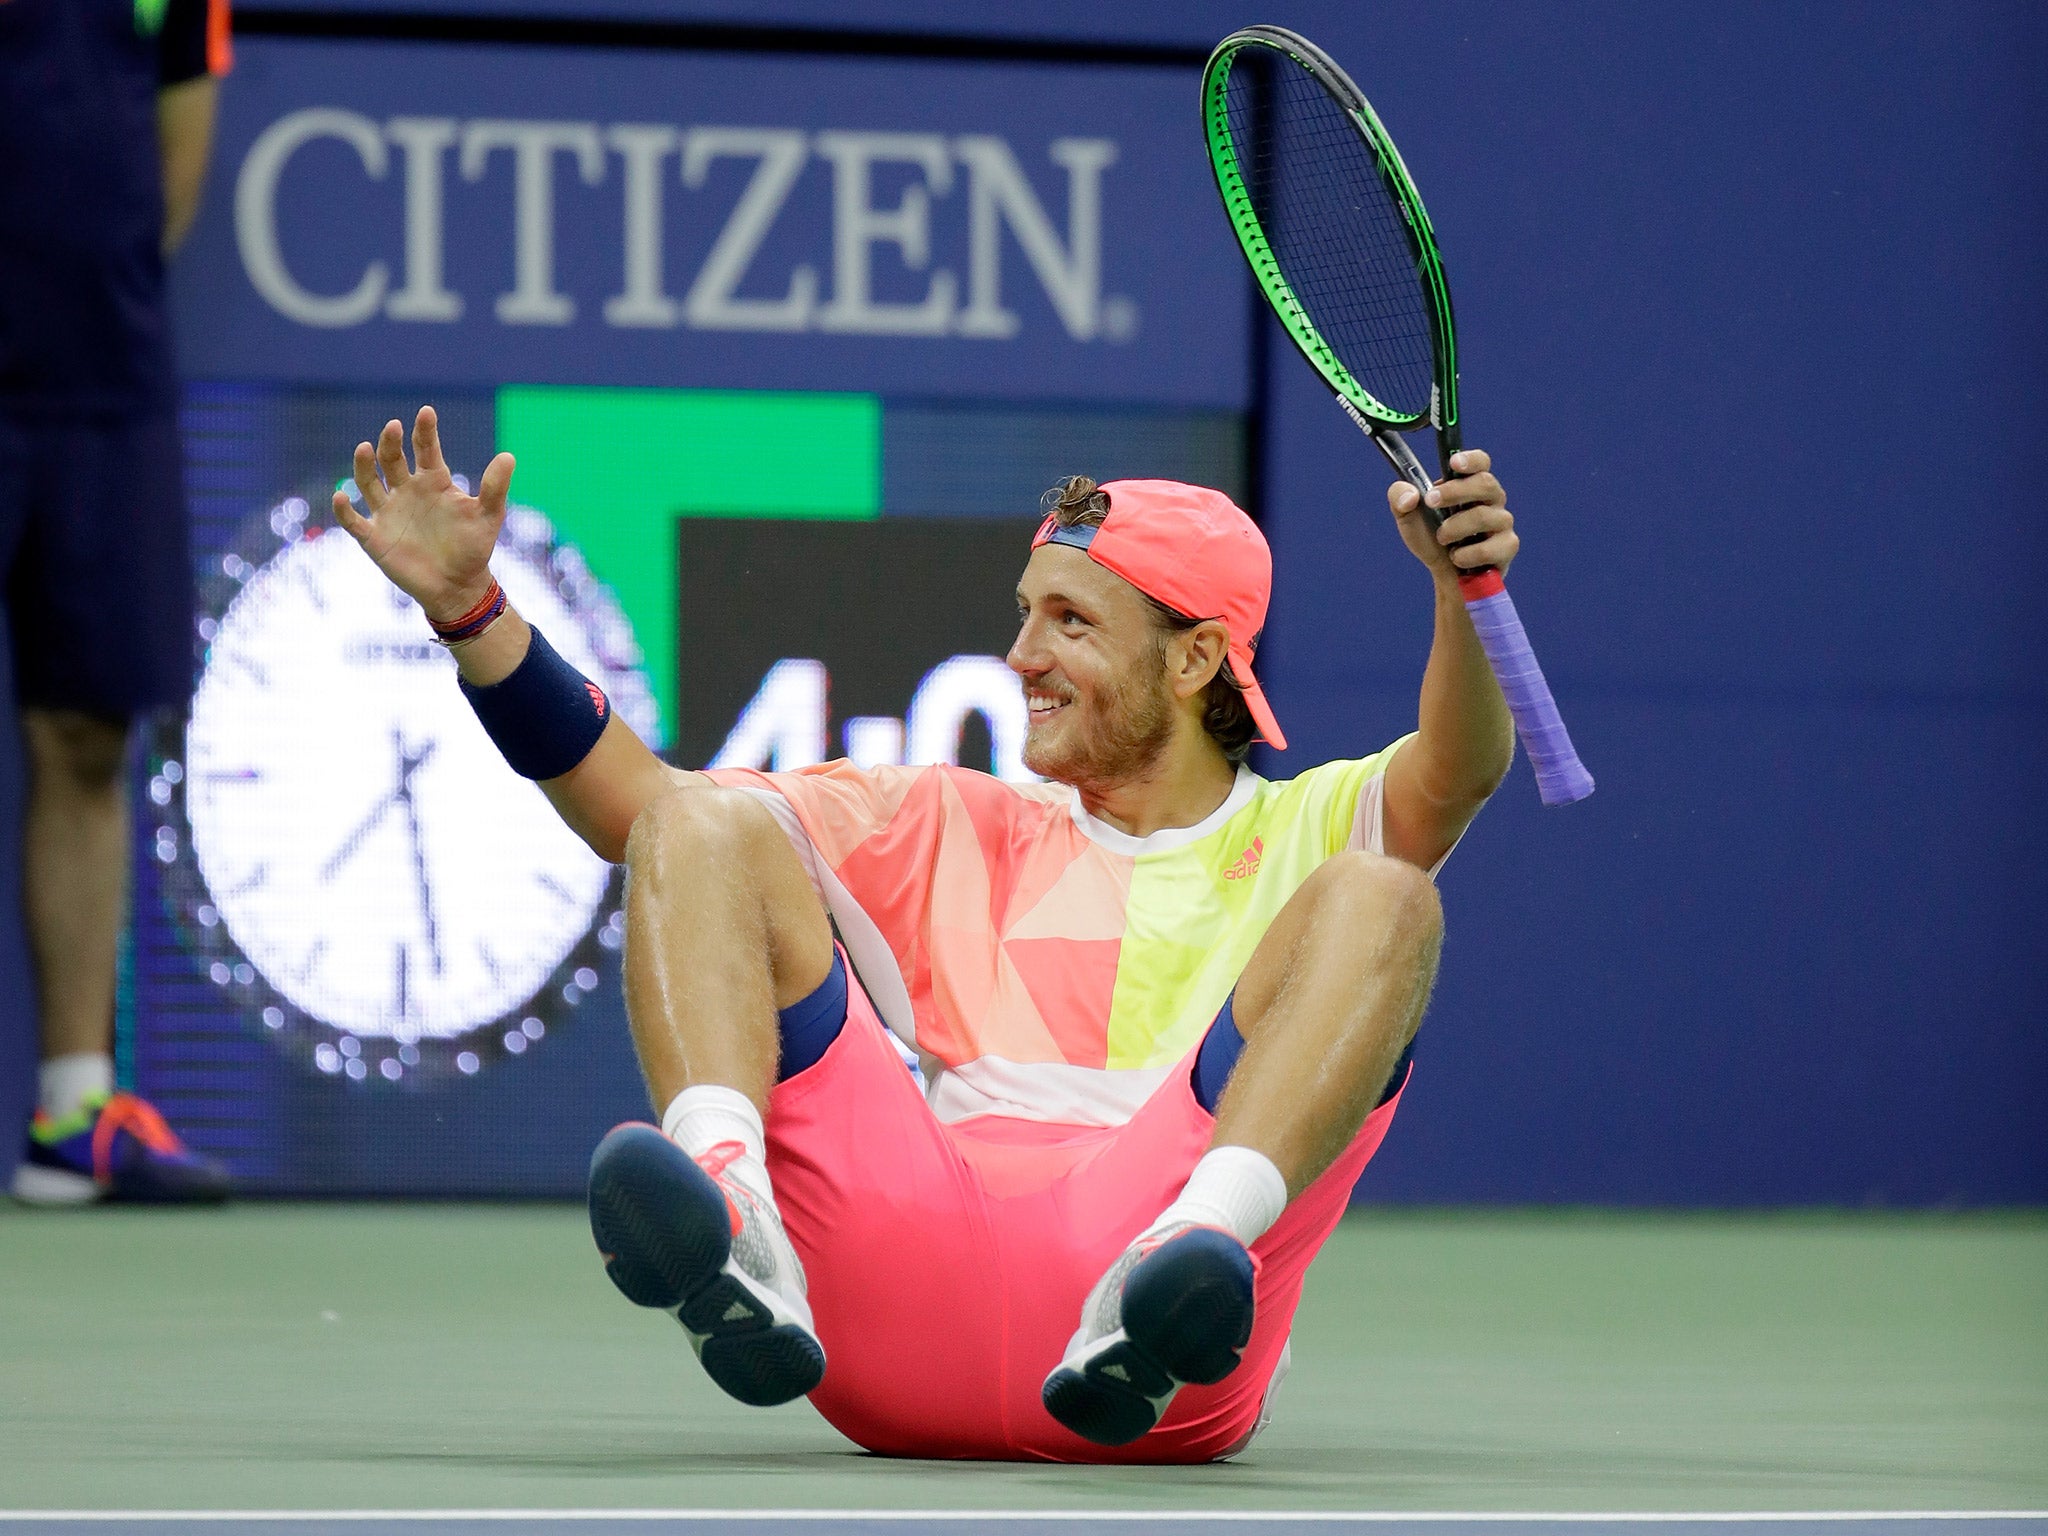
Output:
[[1247, 863]]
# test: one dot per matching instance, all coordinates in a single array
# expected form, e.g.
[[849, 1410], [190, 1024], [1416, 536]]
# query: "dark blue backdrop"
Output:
[[1750, 316], [1730, 279]]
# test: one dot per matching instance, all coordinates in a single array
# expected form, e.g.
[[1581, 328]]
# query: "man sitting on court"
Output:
[[1165, 1006]]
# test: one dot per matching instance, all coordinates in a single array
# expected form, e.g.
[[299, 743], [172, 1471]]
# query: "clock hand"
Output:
[[411, 763], [313, 956], [419, 862], [408, 764], [354, 840]]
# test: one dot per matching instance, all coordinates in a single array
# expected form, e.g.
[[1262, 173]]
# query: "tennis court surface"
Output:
[[378, 1369]]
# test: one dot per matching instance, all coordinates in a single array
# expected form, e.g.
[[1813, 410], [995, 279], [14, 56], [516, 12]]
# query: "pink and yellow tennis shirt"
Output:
[[1042, 964]]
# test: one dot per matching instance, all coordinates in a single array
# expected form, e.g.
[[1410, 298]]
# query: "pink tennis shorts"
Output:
[[947, 1263]]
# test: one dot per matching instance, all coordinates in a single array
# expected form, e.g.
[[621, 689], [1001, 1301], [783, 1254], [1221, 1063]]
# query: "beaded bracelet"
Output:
[[473, 623]]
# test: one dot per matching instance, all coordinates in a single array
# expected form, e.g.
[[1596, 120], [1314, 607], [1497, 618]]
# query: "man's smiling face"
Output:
[[1088, 650]]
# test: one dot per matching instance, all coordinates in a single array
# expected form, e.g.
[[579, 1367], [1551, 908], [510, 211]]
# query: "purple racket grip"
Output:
[[1560, 777]]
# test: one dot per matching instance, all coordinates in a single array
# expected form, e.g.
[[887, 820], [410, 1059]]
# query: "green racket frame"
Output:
[[1244, 219], [1560, 777]]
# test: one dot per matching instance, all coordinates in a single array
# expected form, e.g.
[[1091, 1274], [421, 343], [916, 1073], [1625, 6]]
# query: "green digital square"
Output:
[[614, 468]]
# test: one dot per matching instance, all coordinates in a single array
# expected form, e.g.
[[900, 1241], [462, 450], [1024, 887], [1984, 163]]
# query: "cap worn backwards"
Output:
[[1194, 550]]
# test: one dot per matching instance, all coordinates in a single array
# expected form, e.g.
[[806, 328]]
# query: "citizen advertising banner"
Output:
[[386, 213]]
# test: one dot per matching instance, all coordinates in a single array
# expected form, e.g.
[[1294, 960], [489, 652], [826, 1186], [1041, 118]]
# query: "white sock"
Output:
[[64, 1083], [699, 1118], [1234, 1188]]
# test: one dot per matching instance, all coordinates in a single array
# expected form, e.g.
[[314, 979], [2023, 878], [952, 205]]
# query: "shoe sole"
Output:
[[37, 1185], [1190, 1305], [661, 1223], [34, 1185], [1187, 1317]]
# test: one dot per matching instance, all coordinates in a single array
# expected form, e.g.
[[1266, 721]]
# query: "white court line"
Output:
[[1213, 1517]]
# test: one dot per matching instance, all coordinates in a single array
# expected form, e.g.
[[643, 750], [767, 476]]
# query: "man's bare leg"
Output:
[[1330, 999], [723, 930], [1331, 996], [75, 882]]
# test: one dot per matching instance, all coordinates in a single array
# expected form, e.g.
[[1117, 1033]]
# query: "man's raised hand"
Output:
[[432, 540], [1479, 513]]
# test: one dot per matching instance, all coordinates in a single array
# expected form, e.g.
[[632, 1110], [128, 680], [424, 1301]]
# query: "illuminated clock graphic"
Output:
[[349, 857]]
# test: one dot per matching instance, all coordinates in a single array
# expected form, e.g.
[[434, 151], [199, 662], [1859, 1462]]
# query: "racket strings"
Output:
[[1335, 227]]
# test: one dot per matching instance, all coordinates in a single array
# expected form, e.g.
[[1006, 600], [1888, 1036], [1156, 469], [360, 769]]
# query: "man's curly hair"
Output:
[[1077, 502]]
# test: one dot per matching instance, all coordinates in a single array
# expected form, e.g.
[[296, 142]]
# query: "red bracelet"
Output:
[[474, 622], [482, 603]]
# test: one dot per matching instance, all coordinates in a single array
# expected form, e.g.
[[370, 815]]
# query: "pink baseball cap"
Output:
[[1194, 550]]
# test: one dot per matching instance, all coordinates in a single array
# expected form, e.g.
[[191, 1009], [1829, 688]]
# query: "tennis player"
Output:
[[1163, 1007]]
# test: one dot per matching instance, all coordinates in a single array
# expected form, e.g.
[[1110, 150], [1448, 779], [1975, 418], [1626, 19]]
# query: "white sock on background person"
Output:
[[701, 1117], [65, 1083], [1234, 1188]]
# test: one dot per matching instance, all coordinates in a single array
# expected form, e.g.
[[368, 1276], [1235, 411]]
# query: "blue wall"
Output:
[[1751, 318]]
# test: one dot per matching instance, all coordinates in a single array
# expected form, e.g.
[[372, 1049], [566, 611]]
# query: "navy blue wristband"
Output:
[[545, 716]]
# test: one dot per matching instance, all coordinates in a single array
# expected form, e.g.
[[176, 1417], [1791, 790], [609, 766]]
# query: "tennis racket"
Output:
[[1342, 248]]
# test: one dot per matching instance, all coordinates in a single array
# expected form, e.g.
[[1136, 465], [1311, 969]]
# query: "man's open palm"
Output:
[[432, 539]]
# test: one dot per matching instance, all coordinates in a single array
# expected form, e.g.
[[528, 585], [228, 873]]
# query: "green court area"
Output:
[[474, 1357]]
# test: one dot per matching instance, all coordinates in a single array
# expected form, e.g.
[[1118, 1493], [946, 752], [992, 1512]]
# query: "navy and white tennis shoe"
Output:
[[1176, 1308], [683, 1235]]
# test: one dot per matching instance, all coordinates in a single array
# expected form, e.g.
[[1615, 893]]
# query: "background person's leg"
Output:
[[75, 883], [1327, 1003], [88, 1142], [99, 609]]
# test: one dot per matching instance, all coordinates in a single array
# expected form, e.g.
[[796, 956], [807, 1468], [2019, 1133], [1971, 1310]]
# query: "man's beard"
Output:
[[1120, 736]]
